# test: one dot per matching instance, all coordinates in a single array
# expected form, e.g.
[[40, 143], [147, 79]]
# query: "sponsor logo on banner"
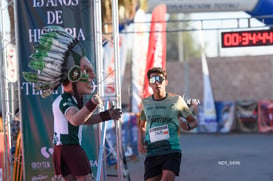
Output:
[[46, 152], [39, 165]]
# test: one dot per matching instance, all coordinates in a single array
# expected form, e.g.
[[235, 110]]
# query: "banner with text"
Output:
[[190, 6], [37, 118]]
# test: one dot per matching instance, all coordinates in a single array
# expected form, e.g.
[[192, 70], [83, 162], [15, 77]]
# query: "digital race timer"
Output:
[[247, 38]]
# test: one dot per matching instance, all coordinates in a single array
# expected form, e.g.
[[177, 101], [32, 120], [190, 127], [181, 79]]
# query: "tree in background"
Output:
[[126, 11], [177, 36]]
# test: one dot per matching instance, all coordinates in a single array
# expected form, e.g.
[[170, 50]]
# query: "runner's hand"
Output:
[[141, 148]]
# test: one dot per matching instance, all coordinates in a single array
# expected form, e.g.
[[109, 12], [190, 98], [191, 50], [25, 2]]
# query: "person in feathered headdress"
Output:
[[59, 59]]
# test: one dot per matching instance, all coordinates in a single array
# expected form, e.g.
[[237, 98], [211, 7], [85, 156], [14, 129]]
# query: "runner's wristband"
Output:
[[90, 105], [105, 116]]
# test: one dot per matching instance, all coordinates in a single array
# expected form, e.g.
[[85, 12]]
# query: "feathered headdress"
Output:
[[56, 59]]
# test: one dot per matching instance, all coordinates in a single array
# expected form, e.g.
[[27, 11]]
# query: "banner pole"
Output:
[[21, 163], [3, 102], [7, 112], [100, 83], [115, 34]]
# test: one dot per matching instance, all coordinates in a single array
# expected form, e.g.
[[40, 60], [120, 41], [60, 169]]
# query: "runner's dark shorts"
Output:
[[155, 164], [70, 159]]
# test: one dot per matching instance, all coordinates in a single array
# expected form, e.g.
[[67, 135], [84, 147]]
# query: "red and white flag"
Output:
[[156, 56]]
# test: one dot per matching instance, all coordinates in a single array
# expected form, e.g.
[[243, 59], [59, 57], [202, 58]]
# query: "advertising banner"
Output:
[[208, 120], [37, 118], [225, 116], [247, 116], [139, 53], [204, 124], [265, 116]]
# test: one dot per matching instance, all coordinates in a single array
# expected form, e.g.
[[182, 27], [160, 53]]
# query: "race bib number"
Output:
[[159, 133]]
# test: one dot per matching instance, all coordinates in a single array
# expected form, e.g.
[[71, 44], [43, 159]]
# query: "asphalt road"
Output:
[[217, 157]]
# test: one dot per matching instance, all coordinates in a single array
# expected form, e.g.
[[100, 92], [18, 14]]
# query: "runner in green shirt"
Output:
[[159, 125]]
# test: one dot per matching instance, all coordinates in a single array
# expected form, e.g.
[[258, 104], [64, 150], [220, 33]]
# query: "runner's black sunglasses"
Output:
[[157, 78]]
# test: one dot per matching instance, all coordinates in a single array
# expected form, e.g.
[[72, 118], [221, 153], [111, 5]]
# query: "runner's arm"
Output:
[[141, 136]]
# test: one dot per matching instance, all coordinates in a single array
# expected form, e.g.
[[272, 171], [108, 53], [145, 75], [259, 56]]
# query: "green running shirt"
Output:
[[162, 123]]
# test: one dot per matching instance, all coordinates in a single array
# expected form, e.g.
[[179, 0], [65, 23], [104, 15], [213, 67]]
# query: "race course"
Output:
[[218, 157]]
